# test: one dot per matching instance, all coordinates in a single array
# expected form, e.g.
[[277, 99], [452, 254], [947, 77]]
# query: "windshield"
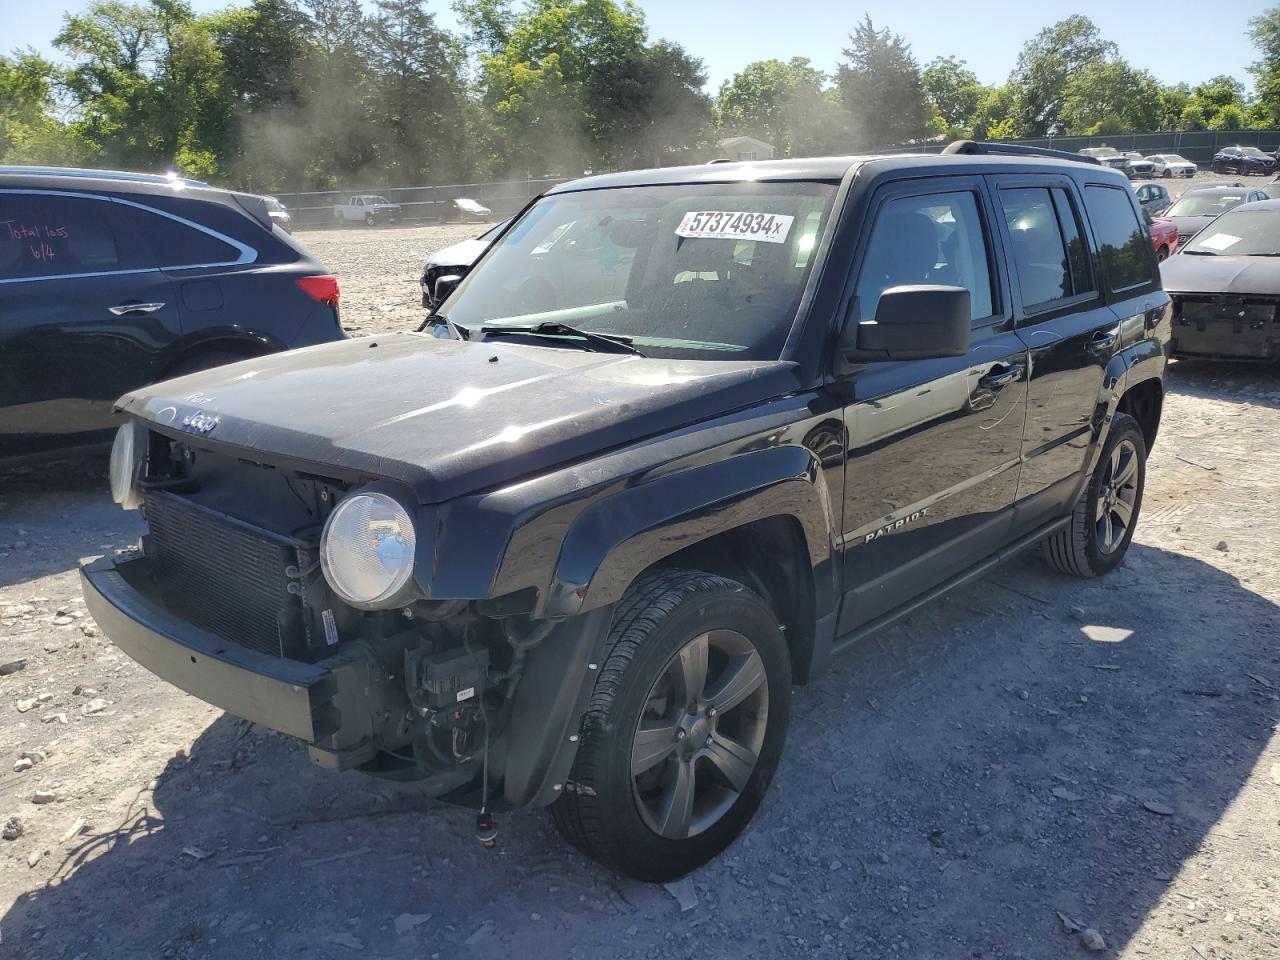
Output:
[[273, 203], [1101, 151], [1204, 204], [471, 206], [1241, 233], [1174, 158], [375, 199], [698, 271], [1252, 152]]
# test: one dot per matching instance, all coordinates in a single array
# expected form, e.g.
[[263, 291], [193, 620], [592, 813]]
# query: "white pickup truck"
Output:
[[367, 208]]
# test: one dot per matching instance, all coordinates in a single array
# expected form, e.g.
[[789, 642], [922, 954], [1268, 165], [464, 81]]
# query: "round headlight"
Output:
[[126, 457], [366, 550]]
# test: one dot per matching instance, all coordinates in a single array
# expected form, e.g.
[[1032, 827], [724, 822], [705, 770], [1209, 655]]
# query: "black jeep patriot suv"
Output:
[[680, 436]]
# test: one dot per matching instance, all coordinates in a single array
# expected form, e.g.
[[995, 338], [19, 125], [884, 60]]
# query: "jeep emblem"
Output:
[[200, 422]]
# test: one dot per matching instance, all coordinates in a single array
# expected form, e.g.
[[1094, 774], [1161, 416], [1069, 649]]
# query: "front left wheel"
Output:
[[684, 728]]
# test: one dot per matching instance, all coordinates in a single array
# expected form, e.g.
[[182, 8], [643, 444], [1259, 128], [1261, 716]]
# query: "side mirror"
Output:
[[918, 322], [445, 286]]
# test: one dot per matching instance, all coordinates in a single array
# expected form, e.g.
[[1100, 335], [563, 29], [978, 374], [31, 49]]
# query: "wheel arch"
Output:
[[243, 345], [778, 493]]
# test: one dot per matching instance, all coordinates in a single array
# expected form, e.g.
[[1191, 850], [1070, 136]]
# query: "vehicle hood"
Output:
[[462, 254], [1185, 273], [1190, 226], [447, 417]]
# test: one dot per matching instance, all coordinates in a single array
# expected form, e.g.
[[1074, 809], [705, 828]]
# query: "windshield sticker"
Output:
[[730, 225], [1219, 241]]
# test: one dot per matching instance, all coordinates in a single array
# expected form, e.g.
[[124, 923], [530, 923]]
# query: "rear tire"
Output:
[[701, 658], [1162, 255], [1102, 524]]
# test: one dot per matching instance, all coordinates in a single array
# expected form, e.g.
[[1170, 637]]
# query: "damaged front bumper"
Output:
[[331, 705]]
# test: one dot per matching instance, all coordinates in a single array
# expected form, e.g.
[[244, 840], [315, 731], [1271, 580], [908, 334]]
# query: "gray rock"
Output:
[[12, 829], [684, 893], [484, 930], [22, 763], [13, 666], [408, 921], [1155, 806], [44, 796], [94, 706], [1091, 939], [25, 705], [344, 940]]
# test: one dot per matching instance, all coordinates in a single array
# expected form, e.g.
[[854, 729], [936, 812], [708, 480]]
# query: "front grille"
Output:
[[228, 577], [1240, 311]]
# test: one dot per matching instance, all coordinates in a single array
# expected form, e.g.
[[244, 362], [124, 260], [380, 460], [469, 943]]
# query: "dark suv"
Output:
[[109, 281], [1243, 160], [573, 545]]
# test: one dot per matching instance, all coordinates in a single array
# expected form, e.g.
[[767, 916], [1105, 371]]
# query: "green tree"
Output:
[[1264, 31], [1173, 101], [1217, 104], [419, 94], [1047, 62], [577, 86], [786, 104], [29, 131], [954, 91], [880, 87], [144, 84], [996, 116], [1110, 97]]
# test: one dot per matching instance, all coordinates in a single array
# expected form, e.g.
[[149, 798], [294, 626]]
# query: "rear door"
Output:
[[83, 318], [933, 444]]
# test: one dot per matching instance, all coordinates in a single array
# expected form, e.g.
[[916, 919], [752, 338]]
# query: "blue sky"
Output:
[[1174, 39]]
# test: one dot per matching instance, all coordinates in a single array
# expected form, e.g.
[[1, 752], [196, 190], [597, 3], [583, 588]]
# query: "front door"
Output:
[[933, 444], [82, 319]]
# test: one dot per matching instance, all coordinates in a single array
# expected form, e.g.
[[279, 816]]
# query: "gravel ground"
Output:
[[1029, 759]]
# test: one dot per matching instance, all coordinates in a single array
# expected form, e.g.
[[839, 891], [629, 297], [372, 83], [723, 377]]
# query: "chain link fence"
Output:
[[423, 204]]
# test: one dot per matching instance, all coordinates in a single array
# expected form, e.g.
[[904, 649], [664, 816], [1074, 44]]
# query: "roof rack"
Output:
[[104, 175], [1014, 150]]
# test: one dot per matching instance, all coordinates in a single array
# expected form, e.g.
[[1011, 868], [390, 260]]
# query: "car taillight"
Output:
[[323, 289]]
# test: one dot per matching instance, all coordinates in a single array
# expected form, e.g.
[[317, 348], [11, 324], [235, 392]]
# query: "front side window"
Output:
[[932, 239], [1048, 252], [1123, 246], [45, 235], [697, 271]]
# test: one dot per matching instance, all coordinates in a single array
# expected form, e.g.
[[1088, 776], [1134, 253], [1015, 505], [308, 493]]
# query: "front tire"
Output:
[[1102, 524], [684, 729]]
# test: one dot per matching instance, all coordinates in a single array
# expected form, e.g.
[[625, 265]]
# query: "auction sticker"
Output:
[[734, 225]]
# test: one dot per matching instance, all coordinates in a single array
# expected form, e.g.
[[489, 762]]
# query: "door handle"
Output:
[[1103, 340], [1000, 378], [121, 309]]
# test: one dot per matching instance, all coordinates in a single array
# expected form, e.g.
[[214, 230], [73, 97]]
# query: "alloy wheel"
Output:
[[1117, 496], [699, 736]]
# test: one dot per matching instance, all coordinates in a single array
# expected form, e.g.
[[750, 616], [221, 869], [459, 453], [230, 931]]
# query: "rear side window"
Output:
[[932, 239], [1123, 247], [47, 236], [1048, 252], [175, 244]]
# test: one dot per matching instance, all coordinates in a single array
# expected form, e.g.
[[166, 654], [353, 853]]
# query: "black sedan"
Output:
[[1225, 287], [1243, 160], [110, 281]]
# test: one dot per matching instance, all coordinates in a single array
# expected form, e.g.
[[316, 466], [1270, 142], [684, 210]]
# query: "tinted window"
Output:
[[937, 238], [174, 244], [1123, 246], [1048, 253], [43, 236]]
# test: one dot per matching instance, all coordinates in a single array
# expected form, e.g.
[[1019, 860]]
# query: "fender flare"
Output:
[[610, 543]]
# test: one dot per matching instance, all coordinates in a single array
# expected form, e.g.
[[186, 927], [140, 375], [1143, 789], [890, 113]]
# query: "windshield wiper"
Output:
[[607, 342], [1200, 253]]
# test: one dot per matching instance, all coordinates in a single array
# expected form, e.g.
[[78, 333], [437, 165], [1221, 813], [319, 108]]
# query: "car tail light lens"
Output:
[[323, 289]]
